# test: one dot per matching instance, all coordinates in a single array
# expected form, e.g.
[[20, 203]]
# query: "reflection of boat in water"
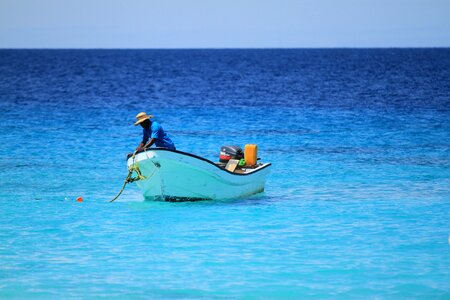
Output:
[[174, 175]]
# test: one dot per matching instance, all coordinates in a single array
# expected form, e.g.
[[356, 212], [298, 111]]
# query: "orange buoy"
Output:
[[79, 199]]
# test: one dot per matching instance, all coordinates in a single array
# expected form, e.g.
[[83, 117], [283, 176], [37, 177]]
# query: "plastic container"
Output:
[[251, 154]]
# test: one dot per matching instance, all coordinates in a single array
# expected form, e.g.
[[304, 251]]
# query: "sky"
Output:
[[224, 23]]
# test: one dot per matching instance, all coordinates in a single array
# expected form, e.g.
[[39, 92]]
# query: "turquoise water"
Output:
[[357, 203]]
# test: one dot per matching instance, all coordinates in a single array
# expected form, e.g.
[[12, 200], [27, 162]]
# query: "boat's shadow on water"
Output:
[[258, 199]]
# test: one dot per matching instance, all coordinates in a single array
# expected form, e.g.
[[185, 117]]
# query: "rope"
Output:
[[134, 167], [123, 187]]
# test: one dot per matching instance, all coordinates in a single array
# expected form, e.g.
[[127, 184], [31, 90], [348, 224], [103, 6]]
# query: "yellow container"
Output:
[[250, 154]]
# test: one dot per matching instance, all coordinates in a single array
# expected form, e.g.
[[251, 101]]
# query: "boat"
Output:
[[173, 175]]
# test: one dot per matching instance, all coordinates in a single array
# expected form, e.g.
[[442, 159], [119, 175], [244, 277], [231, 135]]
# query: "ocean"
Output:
[[357, 203]]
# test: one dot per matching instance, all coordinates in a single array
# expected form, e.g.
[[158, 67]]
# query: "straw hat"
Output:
[[141, 117]]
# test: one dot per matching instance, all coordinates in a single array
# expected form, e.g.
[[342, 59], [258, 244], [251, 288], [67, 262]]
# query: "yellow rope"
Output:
[[134, 167], [123, 187]]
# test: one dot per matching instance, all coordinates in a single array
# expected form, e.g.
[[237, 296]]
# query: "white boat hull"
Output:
[[177, 176]]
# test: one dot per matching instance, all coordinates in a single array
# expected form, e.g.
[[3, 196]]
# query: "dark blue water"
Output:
[[357, 204]]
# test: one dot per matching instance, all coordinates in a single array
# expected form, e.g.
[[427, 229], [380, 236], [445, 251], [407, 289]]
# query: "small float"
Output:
[[172, 175]]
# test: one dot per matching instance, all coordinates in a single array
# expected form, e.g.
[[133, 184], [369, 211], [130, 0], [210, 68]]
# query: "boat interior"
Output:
[[233, 166]]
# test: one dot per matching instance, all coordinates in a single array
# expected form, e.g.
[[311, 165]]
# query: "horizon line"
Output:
[[224, 48]]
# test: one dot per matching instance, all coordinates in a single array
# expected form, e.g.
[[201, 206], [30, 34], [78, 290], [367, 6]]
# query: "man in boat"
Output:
[[152, 130]]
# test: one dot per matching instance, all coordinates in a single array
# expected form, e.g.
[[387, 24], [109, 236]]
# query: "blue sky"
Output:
[[223, 24]]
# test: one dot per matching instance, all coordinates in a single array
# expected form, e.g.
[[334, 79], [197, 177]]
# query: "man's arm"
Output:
[[143, 146], [149, 144], [140, 147]]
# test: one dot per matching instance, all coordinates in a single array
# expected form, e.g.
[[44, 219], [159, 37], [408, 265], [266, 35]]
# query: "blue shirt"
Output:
[[156, 132]]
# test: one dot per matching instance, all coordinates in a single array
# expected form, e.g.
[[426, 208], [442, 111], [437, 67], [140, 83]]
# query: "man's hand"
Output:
[[148, 145], [141, 147]]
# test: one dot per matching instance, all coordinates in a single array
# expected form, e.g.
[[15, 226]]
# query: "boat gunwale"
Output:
[[205, 160]]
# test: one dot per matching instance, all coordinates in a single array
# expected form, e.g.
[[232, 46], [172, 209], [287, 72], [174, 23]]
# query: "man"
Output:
[[153, 131]]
